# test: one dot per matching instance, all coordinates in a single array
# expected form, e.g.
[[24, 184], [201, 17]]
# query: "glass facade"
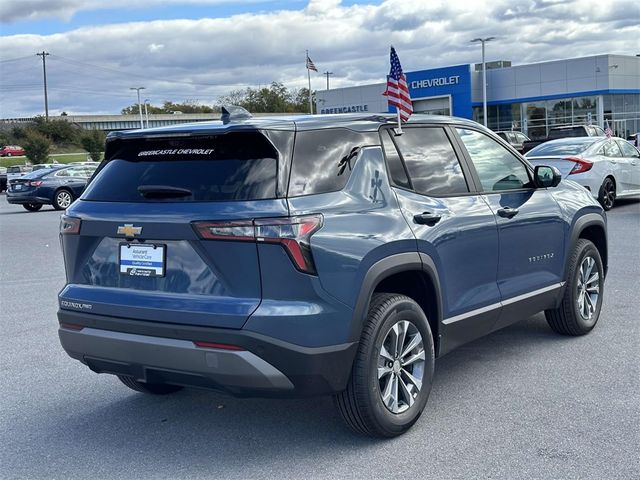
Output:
[[621, 112]]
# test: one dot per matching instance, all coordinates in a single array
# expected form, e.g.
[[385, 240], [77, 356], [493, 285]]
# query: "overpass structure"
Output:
[[109, 123]]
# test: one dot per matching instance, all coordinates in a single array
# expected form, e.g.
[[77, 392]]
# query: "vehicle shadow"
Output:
[[192, 426]]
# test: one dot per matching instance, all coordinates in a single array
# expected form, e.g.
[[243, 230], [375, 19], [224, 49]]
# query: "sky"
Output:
[[198, 50]]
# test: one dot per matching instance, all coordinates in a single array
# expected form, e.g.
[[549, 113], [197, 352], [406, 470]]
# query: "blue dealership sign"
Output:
[[454, 81]]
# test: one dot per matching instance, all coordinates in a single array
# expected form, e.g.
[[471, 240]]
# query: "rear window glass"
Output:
[[323, 159], [564, 148], [232, 166], [14, 170], [568, 132]]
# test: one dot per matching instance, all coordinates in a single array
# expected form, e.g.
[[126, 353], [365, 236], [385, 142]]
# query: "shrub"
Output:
[[36, 147], [93, 142]]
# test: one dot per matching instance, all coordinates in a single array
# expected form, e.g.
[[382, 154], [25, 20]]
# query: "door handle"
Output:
[[427, 218], [508, 212]]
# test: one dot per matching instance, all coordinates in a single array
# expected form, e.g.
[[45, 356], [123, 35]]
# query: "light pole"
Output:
[[137, 89], [146, 112], [484, 76]]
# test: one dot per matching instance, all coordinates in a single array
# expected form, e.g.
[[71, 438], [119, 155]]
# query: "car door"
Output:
[[631, 158], [531, 230], [619, 166], [452, 225]]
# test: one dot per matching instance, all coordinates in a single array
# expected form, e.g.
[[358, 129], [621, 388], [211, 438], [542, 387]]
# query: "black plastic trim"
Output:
[[312, 370]]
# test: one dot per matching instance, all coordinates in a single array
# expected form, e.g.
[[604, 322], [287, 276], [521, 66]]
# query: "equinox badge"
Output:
[[128, 230]]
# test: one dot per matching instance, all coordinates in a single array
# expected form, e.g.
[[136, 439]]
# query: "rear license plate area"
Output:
[[142, 259]]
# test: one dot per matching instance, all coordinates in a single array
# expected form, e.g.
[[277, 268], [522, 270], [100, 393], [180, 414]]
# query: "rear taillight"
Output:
[[293, 233], [69, 225], [581, 165], [35, 183]]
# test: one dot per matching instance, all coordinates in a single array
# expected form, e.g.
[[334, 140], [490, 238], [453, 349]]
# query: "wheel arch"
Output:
[[592, 227], [413, 274]]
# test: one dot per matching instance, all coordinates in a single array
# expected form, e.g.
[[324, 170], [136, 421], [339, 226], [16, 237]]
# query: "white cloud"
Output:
[[220, 54], [155, 47], [19, 10]]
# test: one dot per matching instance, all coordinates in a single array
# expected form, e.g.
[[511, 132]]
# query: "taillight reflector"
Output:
[[72, 326], [581, 165], [219, 346], [35, 183]]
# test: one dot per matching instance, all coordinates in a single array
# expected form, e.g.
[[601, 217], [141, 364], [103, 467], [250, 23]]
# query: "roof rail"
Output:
[[232, 113]]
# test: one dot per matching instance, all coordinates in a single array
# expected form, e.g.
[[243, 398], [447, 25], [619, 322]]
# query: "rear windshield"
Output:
[[563, 148], [14, 170], [231, 166], [568, 132]]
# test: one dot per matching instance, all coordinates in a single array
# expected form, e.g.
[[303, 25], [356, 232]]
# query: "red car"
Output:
[[11, 151]]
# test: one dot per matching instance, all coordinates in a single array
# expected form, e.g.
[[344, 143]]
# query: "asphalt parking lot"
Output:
[[520, 403]]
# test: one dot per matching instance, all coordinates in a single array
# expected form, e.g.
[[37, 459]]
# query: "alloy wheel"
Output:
[[588, 287], [63, 199], [401, 363], [609, 194]]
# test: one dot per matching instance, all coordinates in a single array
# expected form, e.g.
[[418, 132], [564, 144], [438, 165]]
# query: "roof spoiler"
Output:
[[231, 113]]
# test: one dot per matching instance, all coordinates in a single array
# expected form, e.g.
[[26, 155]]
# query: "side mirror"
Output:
[[545, 177]]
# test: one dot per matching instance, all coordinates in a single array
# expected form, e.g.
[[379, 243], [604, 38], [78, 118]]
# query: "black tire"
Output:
[[607, 193], [151, 388], [59, 199], [32, 207], [569, 317], [361, 405]]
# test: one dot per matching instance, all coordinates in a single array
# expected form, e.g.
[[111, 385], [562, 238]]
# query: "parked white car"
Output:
[[608, 167], [16, 171]]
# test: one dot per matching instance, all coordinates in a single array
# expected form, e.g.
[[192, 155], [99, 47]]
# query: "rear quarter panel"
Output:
[[362, 225]]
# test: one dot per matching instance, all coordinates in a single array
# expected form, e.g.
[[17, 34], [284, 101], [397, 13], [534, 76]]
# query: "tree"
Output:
[[275, 98], [188, 106], [93, 142], [36, 147], [58, 130]]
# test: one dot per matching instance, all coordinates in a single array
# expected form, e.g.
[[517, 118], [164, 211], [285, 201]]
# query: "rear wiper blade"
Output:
[[163, 191]]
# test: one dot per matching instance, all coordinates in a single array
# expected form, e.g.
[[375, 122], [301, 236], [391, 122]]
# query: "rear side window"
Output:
[[611, 149], [432, 163], [323, 159], [394, 162], [232, 166]]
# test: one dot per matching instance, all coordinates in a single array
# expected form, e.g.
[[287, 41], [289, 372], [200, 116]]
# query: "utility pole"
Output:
[[327, 73], [146, 112], [137, 89], [484, 76], [44, 56]]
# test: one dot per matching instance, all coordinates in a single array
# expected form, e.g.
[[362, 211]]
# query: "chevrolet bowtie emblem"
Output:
[[128, 230]]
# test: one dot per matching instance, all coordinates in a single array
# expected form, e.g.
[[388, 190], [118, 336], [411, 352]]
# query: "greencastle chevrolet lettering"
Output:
[[346, 109]]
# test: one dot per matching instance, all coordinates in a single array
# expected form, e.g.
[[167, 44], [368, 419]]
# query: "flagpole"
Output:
[[309, 79]]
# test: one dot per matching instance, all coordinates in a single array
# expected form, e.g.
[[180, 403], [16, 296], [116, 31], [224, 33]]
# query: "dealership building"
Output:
[[601, 89]]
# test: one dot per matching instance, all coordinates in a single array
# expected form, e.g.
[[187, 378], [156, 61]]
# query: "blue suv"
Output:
[[315, 255]]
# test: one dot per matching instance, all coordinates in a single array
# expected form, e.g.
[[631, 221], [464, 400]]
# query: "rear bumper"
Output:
[[165, 353], [17, 198]]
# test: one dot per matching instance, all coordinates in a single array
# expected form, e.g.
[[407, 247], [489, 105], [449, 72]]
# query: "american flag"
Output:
[[311, 65], [397, 90], [607, 131]]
